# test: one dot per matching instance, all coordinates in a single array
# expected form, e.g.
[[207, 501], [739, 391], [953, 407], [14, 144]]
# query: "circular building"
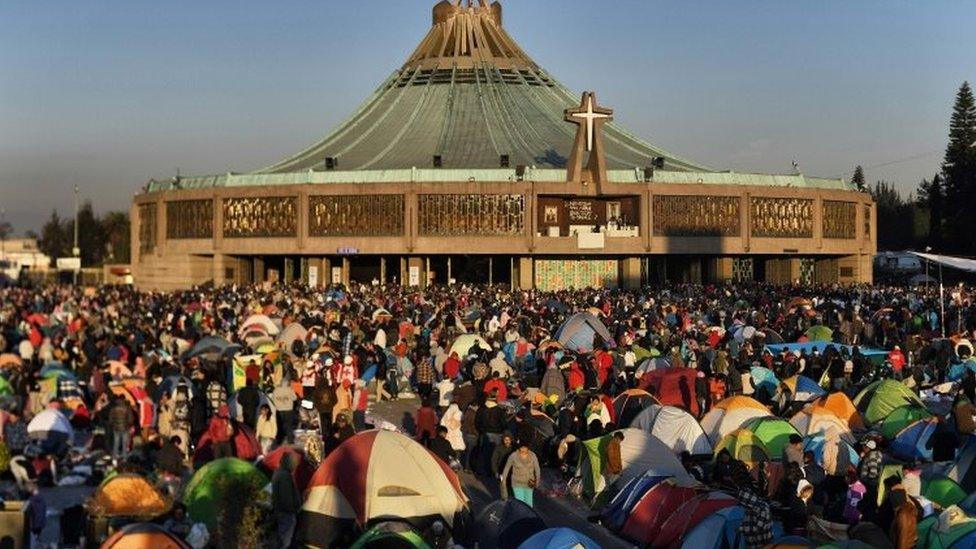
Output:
[[471, 163]]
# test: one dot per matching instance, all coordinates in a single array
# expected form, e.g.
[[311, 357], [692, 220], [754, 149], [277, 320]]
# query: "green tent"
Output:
[[959, 535], [819, 333], [390, 535], [209, 486], [5, 388], [881, 398], [943, 490], [900, 418], [774, 433]]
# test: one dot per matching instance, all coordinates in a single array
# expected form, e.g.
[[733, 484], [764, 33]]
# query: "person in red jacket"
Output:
[[604, 366], [496, 384], [221, 432], [452, 366], [427, 422], [576, 378], [897, 360]]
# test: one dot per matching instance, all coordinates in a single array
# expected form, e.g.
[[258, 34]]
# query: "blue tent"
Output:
[[559, 538], [576, 334], [915, 441], [212, 345], [764, 378], [718, 531], [958, 370], [616, 512], [817, 443]]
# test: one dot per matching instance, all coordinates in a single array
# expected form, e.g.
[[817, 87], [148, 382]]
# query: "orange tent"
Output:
[[8, 360], [841, 406], [143, 535], [128, 495]]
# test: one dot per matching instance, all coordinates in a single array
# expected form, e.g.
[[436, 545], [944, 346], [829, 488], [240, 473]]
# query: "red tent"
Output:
[[688, 516], [246, 446], [673, 387], [649, 514], [303, 469]]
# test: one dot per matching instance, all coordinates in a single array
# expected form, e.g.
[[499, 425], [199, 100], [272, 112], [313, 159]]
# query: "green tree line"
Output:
[[102, 239]]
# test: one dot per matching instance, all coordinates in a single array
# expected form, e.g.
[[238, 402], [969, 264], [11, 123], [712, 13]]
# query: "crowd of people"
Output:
[[509, 385]]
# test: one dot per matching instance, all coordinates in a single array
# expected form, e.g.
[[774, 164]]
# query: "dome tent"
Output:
[[879, 399], [128, 495], [390, 535], [675, 427], [774, 433], [505, 524], [559, 538], [640, 454], [688, 516], [377, 474], [731, 414], [209, 484], [142, 535], [576, 334], [628, 404], [648, 507]]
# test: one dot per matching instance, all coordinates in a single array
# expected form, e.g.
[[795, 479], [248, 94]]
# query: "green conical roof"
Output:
[[468, 94]]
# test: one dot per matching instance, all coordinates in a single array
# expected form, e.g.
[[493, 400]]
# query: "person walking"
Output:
[[285, 500], [523, 466], [267, 429], [283, 398], [120, 419]]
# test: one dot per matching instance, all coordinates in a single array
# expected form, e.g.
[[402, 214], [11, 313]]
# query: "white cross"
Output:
[[589, 116]]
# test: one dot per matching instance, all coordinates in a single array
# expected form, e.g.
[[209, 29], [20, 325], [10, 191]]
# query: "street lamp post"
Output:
[[75, 250]]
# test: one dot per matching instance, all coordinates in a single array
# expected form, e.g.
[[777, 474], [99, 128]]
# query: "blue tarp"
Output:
[[809, 347]]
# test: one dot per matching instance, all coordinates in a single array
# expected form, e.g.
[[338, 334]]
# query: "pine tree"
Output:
[[858, 179], [931, 195], [959, 172]]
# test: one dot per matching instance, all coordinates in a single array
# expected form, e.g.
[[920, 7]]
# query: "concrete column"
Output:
[[526, 274], [415, 267], [382, 270], [795, 269], [218, 223], [818, 221], [745, 220], [345, 271], [491, 271], [630, 273], [258, 270], [449, 270], [219, 266], [403, 271], [723, 269], [302, 232]]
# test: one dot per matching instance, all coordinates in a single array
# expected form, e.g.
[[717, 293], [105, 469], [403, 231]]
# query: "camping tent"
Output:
[[963, 470], [902, 417], [949, 530], [689, 515], [464, 342], [390, 535], [302, 472], [716, 531], [377, 474], [628, 404], [261, 323], [142, 535], [673, 386], [831, 452], [802, 388], [640, 453], [774, 433], [51, 429], [882, 397], [942, 490], [731, 414], [675, 427], [743, 445], [505, 524], [128, 495], [576, 334], [244, 444], [915, 441], [765, 379], [210, 484], [559, 538], [651, 508], [818, 420], [615, 513], [841, 406]]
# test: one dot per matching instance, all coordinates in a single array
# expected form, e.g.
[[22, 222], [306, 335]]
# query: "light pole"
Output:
[[75, 250]]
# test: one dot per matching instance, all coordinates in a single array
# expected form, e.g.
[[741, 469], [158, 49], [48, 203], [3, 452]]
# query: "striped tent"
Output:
[[377, 475]]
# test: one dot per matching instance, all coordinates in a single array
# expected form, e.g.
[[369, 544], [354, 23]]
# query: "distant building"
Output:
[[471, 163], [22, 254]]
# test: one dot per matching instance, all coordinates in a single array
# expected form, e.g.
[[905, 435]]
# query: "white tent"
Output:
[[675, 427]]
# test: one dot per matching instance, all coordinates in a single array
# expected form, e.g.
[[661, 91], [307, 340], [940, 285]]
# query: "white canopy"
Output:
[[961, 263]]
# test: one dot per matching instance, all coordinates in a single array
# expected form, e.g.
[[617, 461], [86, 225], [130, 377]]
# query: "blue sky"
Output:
[[106, 94]]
